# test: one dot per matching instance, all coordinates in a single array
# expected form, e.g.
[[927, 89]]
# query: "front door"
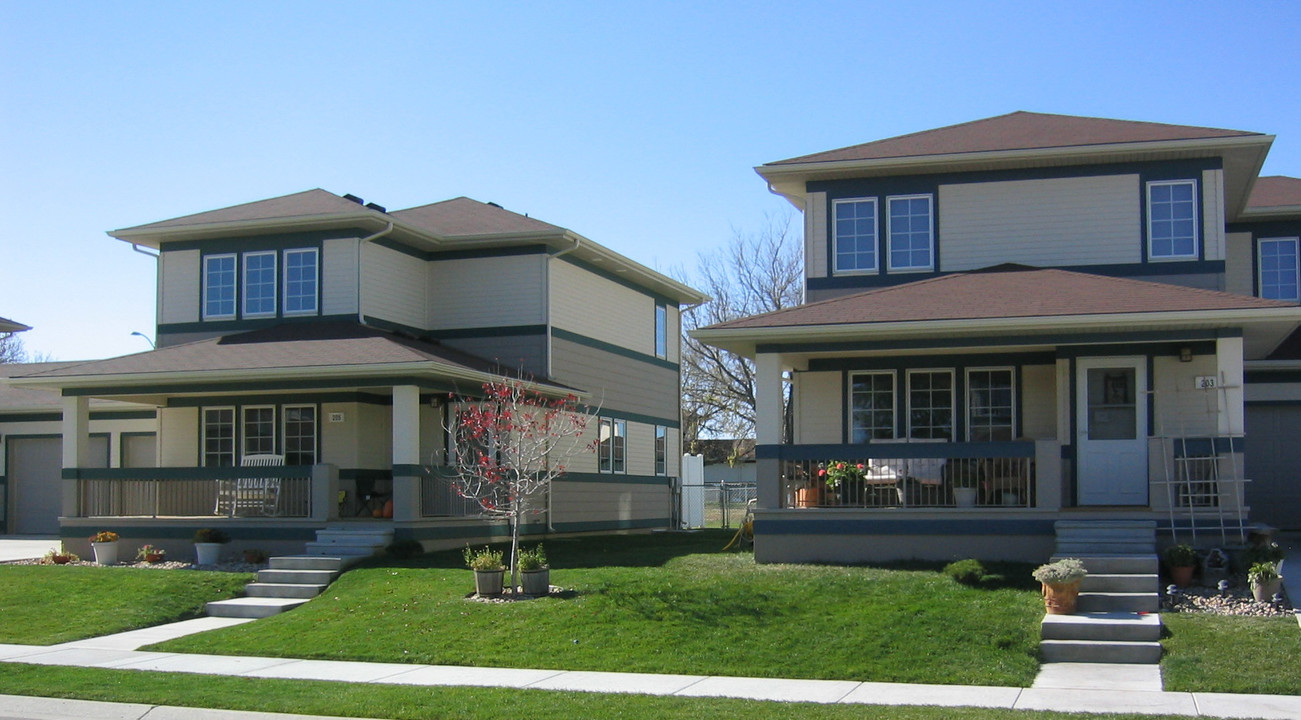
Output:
[[1111, 445]]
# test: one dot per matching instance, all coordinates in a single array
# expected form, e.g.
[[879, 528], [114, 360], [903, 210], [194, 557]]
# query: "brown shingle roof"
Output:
[[463, 216], [1003, 292], [1017, 131], [7, 325], [1275, 191], [29, 399], [302, 204]]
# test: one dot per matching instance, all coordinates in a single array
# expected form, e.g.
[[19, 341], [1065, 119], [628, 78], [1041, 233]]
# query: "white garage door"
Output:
[[35, 470]]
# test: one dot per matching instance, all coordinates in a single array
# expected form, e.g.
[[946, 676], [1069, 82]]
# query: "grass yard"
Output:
[[1207, 653], [50, 604], [667, 604]]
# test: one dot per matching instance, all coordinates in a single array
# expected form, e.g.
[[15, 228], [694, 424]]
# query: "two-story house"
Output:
[[331, 336], [1021, 320]]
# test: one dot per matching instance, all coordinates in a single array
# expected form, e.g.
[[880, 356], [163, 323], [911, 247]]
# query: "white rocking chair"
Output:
[[258, 494]]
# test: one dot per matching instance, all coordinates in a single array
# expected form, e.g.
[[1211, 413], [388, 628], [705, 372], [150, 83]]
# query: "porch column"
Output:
[[768, 427], [1228, 360], [76, 448], [406, 453]]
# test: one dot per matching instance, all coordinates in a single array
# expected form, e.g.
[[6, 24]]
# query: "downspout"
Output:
[[578, 241], [361, 317], [143, 252]]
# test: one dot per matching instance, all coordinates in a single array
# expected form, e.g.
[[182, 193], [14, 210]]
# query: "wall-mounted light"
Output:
[[1185, 354]]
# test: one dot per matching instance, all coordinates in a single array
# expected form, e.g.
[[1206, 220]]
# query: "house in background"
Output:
[[1027, 319], [330, 334]]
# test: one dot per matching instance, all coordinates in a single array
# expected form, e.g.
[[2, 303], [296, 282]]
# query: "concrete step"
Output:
[[1148, 525], [1107, 533], [297, 577], [251, 607], [1095, 602], [1117, 564], [1121, 582], [1100, 651], [305, 562], [1118, 626], [1081, 548], [342, 551], [355, 537], [283, 590]]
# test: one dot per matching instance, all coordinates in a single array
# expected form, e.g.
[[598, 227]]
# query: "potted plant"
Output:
[[965, 478], [151, 554], [535, 573], [207, 545], [104, 543], [1264, 580], [1180, 561], [59, 557], [840, 474], [1061, 584], [811, 492], [488, 570]]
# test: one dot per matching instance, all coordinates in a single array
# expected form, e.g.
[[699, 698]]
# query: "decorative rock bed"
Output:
[[1237, 601], [241, 567]]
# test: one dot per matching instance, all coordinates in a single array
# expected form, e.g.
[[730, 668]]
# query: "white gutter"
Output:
[[361, 316]]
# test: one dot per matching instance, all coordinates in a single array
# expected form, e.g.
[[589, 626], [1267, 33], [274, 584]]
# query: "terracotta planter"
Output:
[[535, 582], [105, 553], [1262, 592], [1059, 598], [152, 558], [808, 497], [1182, 575], [488, 583]]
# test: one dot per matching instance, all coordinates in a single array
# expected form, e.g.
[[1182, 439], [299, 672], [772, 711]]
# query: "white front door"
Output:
[[1111, 447]]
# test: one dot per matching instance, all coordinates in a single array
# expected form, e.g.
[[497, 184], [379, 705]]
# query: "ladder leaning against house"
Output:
[[1203, 462]]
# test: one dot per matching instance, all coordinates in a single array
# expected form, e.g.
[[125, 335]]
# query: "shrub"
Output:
[[1180, 556], [149, 551], [209, 535], [1064, 571], [405, 549], [1262, 553], [535, 559], [255, 556], [966, 572], [104, 536], [1262, 572], [485, 560]]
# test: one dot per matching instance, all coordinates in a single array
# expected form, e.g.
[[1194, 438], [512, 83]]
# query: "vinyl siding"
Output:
[[1238, 263], [178, 437], [528, 352], [179, 289], [1039, 402], [641, 449], [606, 377], [675, 334], [1213, 213], [394, 287], [590, 305], [1048, 222], [583, 502], [1181, 410], [818, 408], [339, 276], [487, 292], [816, 237]]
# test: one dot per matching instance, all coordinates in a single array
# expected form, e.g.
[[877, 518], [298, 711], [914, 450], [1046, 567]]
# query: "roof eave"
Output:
[[1275, 212], [154, 237]]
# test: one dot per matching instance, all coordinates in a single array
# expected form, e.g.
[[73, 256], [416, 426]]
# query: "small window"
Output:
[[991, 405], [661, 331], [1277, 260], [219, 437], [613, 447], [218, 287], [300, 434], [300, 282], [930, 404], [855, 235], [259, 430], [911, 232], [872, 406], [259, 284], [1172, 220], [661, 450]]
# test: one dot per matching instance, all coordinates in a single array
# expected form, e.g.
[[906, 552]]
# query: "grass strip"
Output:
[[1210, 653]]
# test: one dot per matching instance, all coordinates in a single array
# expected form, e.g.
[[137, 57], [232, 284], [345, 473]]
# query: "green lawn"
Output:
[[50, 604], [1231, 654], [667, 604]]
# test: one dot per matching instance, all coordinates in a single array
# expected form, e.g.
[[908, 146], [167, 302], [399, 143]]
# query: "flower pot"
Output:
[[1182, 575], [964, 496], [206, 553], [535, 582], [152, 558], [488, 583], [808, 497], [1011, 498], [1262, 592], [61, 559], [105, 553], [1059, 598]]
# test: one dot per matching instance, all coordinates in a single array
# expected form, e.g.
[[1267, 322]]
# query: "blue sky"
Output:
[[635, 124]]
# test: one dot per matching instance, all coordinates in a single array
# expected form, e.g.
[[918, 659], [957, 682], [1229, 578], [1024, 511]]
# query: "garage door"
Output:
[[1274, 465], [35, 469]]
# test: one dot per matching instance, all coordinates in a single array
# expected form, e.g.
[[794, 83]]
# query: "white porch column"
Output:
[[406, 452], [1228, 360], [76, 448], [768, 427]]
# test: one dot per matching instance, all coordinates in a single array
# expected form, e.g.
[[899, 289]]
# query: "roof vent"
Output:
[[377, 207], [354, 198], [495, 205]]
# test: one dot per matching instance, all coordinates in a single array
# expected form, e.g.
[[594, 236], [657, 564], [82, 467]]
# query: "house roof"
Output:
[[463, 217], [1274, 197], [7, 325], [23, 400], [301, 204]]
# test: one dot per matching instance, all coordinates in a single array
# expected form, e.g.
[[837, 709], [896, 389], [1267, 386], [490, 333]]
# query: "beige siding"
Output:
[[604, 375], [818, 407], [1180, 409], [586, 462], [1039, 402], [339, 276], [1238, 263], [487, 292], [1054, 222], [589, 502], [394, 286], [178, 437], [675, 334], [588, 304], [1213, 213], [179, 291], [641, 449], [816, 237]]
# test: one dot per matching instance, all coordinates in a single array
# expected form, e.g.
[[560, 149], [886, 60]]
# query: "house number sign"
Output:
[[1205, 382]]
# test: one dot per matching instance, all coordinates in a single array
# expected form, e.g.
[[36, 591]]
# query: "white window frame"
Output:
[[1011, 371], [953, 406], [876, 238], [1260, 267], [243, 437], [1197, 229], [234, 300], [617, 430], [661, 450], [234, 434], [889, 234], [316, 281], [275, 263], [284, 430], [661, 331], [894, 405]]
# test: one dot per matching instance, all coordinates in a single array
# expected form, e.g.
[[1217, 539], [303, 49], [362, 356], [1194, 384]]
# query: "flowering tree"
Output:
[[510, 445]]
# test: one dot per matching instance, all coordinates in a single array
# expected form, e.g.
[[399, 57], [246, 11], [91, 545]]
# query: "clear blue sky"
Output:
[[634, 124]]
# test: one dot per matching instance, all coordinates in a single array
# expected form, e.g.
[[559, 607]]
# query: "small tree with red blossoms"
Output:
[[510, 445]]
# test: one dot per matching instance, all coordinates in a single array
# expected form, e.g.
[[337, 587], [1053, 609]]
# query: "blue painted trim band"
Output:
[[228, 327], [58, 416], [615, 478], [186, 531], [256, 243], [186, 474], [1273, 403], [274, 385], [1154, 269], [434, 255], [832, 525], [291, 399], [822, 452], [999, 341], [1272, 376], [561, 334], [958, 362]]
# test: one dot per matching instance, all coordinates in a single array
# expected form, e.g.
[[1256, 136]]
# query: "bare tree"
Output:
[[11, 348], [757, 272]]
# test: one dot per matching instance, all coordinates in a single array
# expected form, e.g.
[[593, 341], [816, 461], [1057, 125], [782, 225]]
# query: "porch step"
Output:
[[251, 607], [1100, 651], [1105, 537], [1117, 626], [347, 554], [1096, 602], [283, 590], [1120, 582], [1117, 564], [305, 562], [351, 542], [1100, 547], [297, 577], [354, 537]]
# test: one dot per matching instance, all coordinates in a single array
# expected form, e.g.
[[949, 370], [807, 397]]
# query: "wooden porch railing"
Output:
[[277, 491], [438, 496]]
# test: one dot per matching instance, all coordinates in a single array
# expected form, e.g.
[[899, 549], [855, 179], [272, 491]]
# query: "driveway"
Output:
[[25, 547]]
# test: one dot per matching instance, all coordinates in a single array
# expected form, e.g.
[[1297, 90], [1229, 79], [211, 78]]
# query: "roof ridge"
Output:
[[905, 135]]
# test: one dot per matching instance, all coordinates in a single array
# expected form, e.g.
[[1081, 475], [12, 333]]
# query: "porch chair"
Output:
[[260, 494], [1004, 478]]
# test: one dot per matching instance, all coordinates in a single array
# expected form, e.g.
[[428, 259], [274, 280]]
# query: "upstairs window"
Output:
[[855, 235], [911, 232], [1172, 220], [300, 282], [661, 331], [259, 284], [218, 287], [1277, 263]]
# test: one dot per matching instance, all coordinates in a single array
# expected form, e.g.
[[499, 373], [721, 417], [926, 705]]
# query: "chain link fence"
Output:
[[725, 503]]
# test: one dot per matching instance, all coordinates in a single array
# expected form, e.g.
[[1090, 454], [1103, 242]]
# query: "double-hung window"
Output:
[[661, 450], [911, 232], [229, 434], [930, 404], [872, 406], [1277, 268], [612, 446], [1172, 220], [218, 287], [300, 281], [259, 284], [299, 433], [855, 235], [991, 406], [218, 440], [259, 430]]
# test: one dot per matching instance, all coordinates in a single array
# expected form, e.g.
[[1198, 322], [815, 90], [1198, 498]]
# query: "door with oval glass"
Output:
[[1111, 446]]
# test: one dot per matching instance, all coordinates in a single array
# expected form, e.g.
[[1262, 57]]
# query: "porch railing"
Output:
[[918, 475], [283, 491], [438, 496]]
